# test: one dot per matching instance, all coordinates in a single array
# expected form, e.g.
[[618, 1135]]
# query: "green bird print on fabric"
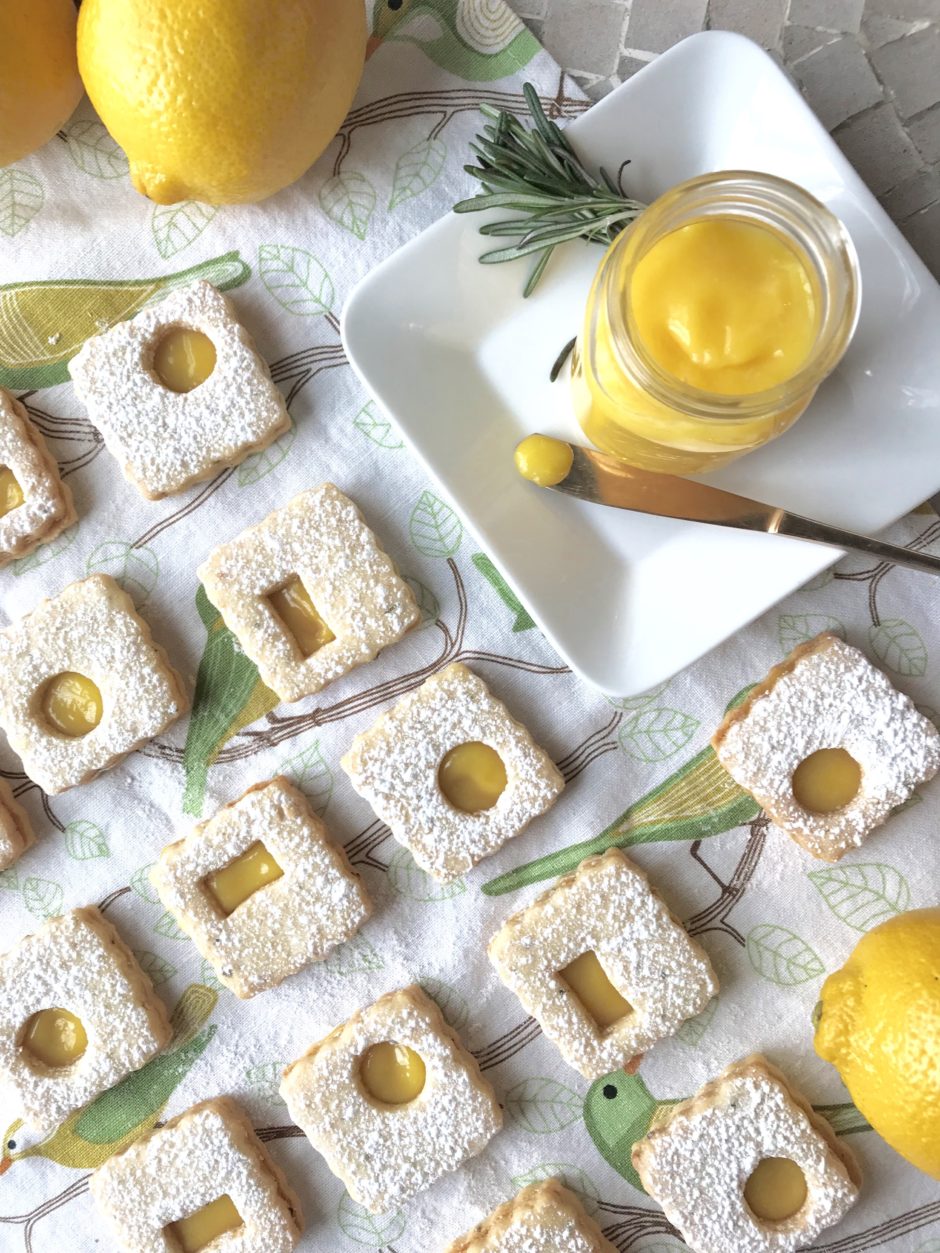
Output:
[[229, 695], [619, 1109], [44, 323], [117, 1117], [479, 40]]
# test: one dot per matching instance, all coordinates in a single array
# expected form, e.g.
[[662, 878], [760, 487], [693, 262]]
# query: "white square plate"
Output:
[[461, 362]]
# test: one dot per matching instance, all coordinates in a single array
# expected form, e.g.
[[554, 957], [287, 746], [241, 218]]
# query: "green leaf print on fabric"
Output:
[[85, 840], [407, 878], [21, 198], [141, 884], [427, 602], [522, 621], [157, 969], [94, 151], [793, 629], [478, 40], [435, 529], [373, 1230], [258, 464], [135, 569], [45, 552], [296, 280], [780, 956], [542, 1106], [416, 170], [42, 897], [375, 426], [899, 646], [656, 734], [449, 1001], [166, 925], [176, 226], [354, 956], [630, 703], [308, 771], [348, 199], [864, 894], [43, 323], [693, 1029], [932, 1246], [573, 1177], [9, 880], [263, 1080]]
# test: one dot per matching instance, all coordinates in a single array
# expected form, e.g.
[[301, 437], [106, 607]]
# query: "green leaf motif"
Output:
[[416, 170], [899, 646], [823, 579], [42, 897], [45, 552], [154, 967], [542, 1106], [135, 569], [21, 198], [94, 151], [932, 1246], [296, 280], [692, 1030], [631, 703], [449, 1001], [376, 427], [355, 956], [258, 464], [208, 976], [435, 529], [864, 894], [9, 880], [407, 878], [372, 1230], [85, 840], [175, 226], [308, 771], [140, 883], [427, 602], [166, 926], [793, 629], [655, 734], [572, 1177], [781, 956], [264, 1080], [348, 199]]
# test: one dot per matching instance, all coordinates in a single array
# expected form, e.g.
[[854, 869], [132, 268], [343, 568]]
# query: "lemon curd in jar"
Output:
[[712, 321]]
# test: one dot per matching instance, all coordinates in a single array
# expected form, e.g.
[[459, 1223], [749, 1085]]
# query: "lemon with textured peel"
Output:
[[39, 82], [878, 1022], [221, 101]]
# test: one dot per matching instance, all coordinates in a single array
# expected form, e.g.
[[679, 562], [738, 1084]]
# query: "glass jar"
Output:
[[630, 406]]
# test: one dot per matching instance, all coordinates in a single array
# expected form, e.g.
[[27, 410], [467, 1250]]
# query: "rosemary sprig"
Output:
[[535, 172]]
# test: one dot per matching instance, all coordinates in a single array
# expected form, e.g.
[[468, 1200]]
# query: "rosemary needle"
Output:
[[536, 173]]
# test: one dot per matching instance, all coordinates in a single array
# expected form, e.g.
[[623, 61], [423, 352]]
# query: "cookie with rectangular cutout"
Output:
[[76, 963], [16, 831], [699, 1162], [603, 965], [308, 592], [542, 1218], [166, 440], [396, 765], [35, 504], [203, 1180], [301, 897], [91, 632], [827, 696], [386, 1149]]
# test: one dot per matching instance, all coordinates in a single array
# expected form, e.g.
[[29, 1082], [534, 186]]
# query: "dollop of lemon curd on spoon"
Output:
[[543, 460]]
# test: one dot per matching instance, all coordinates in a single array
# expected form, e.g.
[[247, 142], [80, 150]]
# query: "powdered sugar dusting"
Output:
[[542, 1218], [47, 505]]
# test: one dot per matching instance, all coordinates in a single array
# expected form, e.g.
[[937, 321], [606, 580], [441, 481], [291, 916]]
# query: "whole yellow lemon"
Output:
[[879, 1025], [39, 82], [221, 100]]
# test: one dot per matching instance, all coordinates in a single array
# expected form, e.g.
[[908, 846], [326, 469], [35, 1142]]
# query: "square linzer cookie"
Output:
[[35, 505], [202, 1181], [452, 773], [542, 1218], [308, 593], [82, 684], [603, 965], [828, 746], [178, 391], [77, 1014], [260, 889], [16, 832], [392, 1100], [746, 1165]]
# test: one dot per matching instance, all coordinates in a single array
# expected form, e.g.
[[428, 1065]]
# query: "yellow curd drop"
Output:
[[776, 1190], [543, 460], [392, 1073], [826, 780], [183, 359], [296, 610], [207, 1224], [11, 494], [472, 777], [71, 704], [55, 1037], [244, 876], [588, 981]]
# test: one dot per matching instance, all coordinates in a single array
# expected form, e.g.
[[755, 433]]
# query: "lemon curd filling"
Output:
[[11, 494], [587, 980], [826, 780], [183, 359], [392, 1073], [55, 1037], [215, 1219], [241, 878], [776, 1189], [71, 704], [472, 777], [296, 610], [543, 460]]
